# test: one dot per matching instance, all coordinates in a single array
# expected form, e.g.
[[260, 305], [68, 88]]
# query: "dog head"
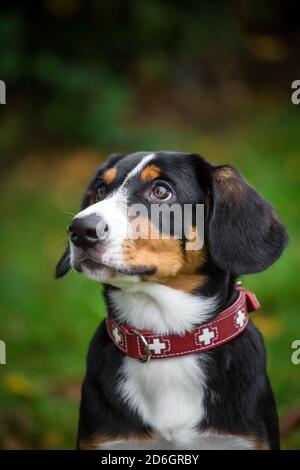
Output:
[[119, 235]]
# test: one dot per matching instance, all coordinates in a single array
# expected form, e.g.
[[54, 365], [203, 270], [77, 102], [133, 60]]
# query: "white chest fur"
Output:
[[167, 394]]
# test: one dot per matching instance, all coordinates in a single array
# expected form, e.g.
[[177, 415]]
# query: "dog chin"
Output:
[[121, 281], [106, 274], [95, 271], [98, 274]]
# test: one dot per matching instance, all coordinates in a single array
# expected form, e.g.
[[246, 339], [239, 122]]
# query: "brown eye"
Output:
[[100, 194], [161, 192]]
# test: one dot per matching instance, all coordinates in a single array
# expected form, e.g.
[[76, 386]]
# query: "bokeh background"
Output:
[[86, 78]]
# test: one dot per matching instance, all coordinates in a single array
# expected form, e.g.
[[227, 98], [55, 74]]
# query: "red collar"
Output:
[[145, 344]]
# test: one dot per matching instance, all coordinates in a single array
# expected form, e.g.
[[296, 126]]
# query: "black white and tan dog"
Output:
[[177, 364]]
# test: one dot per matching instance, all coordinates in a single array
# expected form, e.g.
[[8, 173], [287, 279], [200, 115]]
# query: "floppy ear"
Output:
[[64, 265], [244, 233]]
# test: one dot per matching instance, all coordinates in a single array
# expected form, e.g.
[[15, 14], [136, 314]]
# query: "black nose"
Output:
[[83, 230]]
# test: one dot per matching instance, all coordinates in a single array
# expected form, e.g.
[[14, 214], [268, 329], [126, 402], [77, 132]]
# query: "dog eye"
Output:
[[161, 192], [100, 194]]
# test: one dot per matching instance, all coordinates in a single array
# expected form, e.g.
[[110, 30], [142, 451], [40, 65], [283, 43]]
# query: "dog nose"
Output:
[[85, 232]]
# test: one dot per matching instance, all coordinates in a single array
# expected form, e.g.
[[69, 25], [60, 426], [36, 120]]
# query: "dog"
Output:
[[177, 364]]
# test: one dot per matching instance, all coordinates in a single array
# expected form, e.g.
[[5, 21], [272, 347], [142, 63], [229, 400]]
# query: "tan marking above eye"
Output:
[[150, 172], [110, 175]]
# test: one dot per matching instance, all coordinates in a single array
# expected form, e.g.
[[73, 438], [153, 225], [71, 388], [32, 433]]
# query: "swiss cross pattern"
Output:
[[240, 318]]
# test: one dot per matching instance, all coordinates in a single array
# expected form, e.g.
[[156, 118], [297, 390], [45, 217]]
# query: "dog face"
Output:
[[116, 235]]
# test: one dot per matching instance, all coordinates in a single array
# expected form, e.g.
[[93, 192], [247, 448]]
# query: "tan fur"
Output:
[[110, 175], [173, 266], [193, 258], [256, 444], [231, 182], [260, 445], [150, 172], [163, 254], [225, 173], [93, 442], [185, 282]]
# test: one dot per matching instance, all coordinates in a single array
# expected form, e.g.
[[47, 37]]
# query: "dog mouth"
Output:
[[113, 271]]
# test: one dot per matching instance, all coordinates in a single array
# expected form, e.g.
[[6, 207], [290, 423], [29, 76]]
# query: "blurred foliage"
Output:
[[89, 72], [88, 77]]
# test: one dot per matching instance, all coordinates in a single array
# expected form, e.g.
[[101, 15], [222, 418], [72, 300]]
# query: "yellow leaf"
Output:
[[50, 440], [267, 48], [19, 385], [269, 326]]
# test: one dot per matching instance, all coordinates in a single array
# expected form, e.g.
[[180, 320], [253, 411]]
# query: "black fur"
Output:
[[102, 411], [63, 265], [244, 233]]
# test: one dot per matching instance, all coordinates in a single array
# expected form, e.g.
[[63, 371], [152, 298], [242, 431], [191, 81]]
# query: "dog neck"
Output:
[[162, 309]]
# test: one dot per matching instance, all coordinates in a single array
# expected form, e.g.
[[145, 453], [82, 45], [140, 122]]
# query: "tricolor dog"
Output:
[[177, 363]]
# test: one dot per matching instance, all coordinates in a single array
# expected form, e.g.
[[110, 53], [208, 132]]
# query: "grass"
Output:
[[48, 324]]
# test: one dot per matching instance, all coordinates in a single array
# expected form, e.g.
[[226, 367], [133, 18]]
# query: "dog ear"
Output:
[[64, 265], [244, 233]]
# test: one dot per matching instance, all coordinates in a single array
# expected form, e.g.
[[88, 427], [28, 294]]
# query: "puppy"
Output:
[[177, 364]]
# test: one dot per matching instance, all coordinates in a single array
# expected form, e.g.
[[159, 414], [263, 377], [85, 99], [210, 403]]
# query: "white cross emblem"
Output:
[[157, 346], [118, 338], [206, 337], [241, 318]]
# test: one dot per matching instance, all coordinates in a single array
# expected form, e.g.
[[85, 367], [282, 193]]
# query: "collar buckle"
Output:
[[139, 335]]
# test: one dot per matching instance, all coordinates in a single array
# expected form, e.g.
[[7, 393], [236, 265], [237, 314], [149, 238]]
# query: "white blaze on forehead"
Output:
[[116, 202], [138, 168]]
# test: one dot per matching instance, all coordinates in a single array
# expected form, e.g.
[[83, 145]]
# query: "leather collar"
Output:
[[146, 344]]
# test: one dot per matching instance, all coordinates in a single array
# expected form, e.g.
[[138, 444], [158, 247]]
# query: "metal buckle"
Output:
[[145, 344]]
